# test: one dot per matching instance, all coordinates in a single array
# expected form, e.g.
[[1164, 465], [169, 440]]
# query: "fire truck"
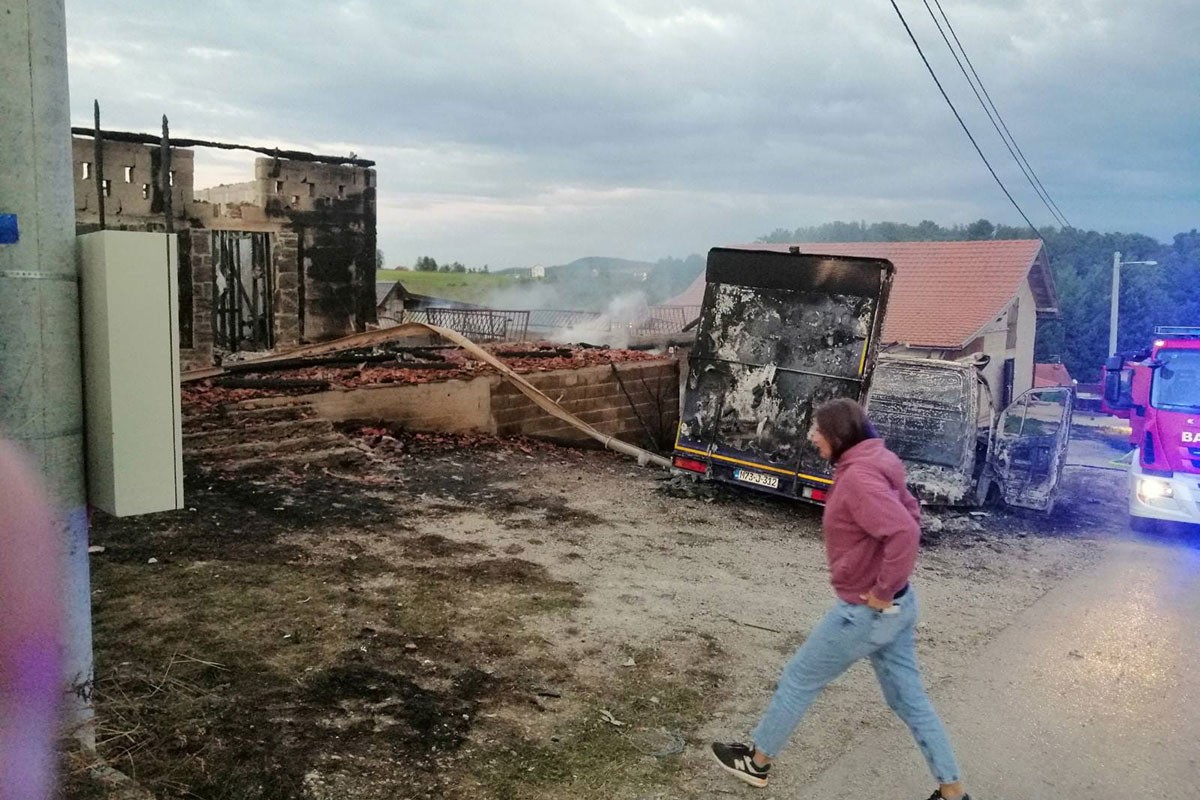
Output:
[[1158, 390]]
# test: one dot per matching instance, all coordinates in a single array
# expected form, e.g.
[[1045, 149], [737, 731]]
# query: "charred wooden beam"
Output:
[[165, 173], [558, 352], [98, 173], [235, 382], [291, 155], [348, 359]]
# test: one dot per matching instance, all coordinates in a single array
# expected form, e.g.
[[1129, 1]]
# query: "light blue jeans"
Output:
[[846, 634]]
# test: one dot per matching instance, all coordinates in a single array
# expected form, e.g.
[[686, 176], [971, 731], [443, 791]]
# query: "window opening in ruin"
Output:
[[171, 178], [341, 191], [87, 170], [312, 190], [295, 199], [244, 316], [145, 191], [278, 187], [129, 174], [106, 187]]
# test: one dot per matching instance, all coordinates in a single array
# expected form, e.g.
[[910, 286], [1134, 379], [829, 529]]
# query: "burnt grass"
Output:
[[297, 634]]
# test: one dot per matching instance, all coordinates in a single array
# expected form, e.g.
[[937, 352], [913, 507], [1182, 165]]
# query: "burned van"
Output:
[[936, 415]]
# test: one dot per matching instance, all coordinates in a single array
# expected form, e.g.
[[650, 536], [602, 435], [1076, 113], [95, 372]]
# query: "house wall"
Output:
[[1026, 339], [320, 219], [230, 194], [135, 201]]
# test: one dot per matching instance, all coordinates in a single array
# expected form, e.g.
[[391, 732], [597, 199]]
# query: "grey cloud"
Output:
[[778, 101]]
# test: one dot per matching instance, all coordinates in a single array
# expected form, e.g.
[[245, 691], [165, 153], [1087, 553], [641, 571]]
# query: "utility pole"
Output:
[[41, 397], [1116, 298], [1112, 310]]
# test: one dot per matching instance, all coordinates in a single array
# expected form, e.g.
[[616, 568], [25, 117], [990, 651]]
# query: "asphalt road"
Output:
[[1093, 692]]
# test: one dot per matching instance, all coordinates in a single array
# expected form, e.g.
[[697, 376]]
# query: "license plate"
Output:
[[757, 478]]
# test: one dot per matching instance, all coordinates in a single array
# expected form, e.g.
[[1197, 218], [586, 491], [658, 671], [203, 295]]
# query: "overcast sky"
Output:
[[517, 132]]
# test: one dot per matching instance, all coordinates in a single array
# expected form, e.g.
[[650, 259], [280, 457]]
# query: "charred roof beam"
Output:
[[291, 155]]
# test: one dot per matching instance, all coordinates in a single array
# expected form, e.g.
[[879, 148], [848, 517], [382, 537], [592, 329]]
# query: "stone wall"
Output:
[[301, 186], [131, 172], [200, 353], [285, 252]]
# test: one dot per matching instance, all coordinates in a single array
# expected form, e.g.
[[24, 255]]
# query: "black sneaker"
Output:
[[738, 758], [937, 795]]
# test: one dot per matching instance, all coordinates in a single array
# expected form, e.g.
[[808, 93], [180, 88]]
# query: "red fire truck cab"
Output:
[[1158, 390]]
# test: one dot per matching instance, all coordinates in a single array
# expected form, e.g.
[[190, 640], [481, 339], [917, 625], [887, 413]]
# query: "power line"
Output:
[[966, 130], [1023, 162], [1040, 192]]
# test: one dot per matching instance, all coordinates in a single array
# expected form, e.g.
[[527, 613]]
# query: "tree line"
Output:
[[430, 264], [1081, 262]]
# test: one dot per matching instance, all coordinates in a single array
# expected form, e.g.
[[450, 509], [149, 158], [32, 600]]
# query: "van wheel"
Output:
[[1142, 524]]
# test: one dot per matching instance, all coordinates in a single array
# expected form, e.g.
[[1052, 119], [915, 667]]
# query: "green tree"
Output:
[[980, 229], [425, 264]]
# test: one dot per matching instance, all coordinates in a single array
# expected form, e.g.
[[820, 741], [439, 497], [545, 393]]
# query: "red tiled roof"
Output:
[[1050, 375], [945, 293]]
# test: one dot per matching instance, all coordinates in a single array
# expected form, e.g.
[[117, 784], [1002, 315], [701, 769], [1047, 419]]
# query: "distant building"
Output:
[[537, 272]]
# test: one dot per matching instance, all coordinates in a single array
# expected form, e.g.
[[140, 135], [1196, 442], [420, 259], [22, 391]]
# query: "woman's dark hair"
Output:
[[844, 424]]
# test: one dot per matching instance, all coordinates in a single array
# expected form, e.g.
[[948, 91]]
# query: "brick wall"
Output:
[[644, 412], [493, 405]]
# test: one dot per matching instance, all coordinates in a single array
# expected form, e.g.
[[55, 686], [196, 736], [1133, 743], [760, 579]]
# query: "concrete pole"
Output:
[[41, 398], [1112, 311]]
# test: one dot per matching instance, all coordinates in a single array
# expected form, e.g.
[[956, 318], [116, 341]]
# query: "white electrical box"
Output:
[[129, 295]]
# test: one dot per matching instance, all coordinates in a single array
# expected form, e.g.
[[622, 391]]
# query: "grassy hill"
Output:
[[468, 287], [585, 284]]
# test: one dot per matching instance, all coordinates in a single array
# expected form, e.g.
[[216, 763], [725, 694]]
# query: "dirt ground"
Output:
[[477, 618]]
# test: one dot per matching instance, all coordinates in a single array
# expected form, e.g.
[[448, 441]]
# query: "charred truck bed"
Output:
[[779, 334]]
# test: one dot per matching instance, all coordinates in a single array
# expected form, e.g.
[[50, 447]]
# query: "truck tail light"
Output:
[[690, 464], [814, 494]]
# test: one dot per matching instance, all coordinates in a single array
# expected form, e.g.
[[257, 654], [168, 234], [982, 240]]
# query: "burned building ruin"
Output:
[[284, 259]]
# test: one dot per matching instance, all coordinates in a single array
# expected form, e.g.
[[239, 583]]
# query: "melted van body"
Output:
[[935, 415]]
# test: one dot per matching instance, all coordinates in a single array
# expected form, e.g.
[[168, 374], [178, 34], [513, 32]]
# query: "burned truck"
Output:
[[781, 333]]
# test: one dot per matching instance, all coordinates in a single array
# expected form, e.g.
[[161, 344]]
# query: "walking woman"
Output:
[[872, 529]]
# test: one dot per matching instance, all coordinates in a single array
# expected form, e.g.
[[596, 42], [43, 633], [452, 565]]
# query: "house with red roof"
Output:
[[954, 300]]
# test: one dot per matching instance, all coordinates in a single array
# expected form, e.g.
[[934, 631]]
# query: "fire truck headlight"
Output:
[[1151, 489]]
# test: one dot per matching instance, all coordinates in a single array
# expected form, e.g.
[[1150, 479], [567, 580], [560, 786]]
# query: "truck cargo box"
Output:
[[779, 334]]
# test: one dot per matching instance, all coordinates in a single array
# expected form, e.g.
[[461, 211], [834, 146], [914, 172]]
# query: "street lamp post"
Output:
[[1116, 293]]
